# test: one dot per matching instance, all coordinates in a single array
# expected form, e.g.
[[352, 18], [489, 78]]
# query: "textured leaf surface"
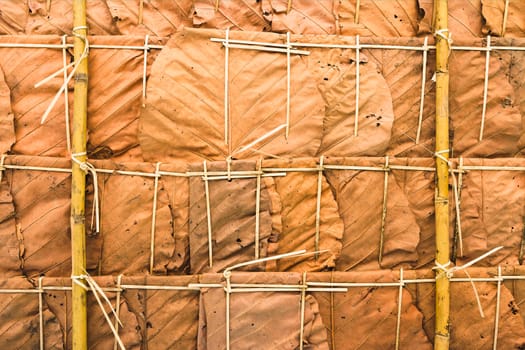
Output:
[[126, 218], [382, 18], [464, 18], [233, 222], [375, 107], [35, 17], [184, 115], [10, 249], [493, 16], [259, 320], [304, 17], [19, 319], [166, 319], [236, 15], [298, 196], [7, 127], [355, 318], [493, 214], [470, 329], [402, 72], [359, 196], [115, 88], [42, 202], [99, 333], [159, 17]]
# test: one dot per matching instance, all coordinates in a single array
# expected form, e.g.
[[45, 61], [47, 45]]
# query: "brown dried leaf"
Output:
[[304, 17], [464, 18], [493, 16], [236, 15], [164, 312], [7, 127], [359, 196], [492, 214], [375, 110], [382, 18], [468, 329], [9, 262], [42, 202], [184, 115], [355, 317], [159, 17], [298, 197], [259, 320], [99, 333], [19, 319], [126, 218], [57, 18], [232, 211]]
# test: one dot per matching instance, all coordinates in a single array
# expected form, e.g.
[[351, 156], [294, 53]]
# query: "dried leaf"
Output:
[[233, 221], [359, 196], [259, 320], [354, 318], [236, 15], [159, 17], [303, 17], [160, 312], [184, 115], [494, 17], [298, 197], [381, 18]]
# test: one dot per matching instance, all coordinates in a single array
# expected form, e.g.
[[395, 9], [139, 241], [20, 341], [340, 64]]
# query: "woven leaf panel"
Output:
[[184, 115], [99, 333], [232, 219], [259, 320], [491, 218], [126, 218], [236, 15], [163, 312], [19, 319], [303, 17], [298, 193], [360, 198], [500, 139], [494, 18], [383, 18], [115, 99], [159, 18], [375, 107], [464, 18], [355, 318], [470, 330], [42, 202], [115, 91], [29, 104]]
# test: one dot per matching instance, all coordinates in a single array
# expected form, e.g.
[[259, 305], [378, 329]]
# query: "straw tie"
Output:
[[89, 168]]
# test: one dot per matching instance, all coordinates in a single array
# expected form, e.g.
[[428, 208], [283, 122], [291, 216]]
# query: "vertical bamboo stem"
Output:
[[442, 335], [78, 184]]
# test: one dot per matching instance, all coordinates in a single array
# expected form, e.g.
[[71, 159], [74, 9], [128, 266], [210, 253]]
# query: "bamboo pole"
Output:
[[442, 335], [78, 179]]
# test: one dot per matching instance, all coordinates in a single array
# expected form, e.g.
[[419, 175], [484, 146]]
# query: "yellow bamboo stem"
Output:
[[78, 179], [442, 335]]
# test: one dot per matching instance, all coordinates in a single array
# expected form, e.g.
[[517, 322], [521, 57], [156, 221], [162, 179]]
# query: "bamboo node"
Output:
[[447, 37], [87, 167]]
